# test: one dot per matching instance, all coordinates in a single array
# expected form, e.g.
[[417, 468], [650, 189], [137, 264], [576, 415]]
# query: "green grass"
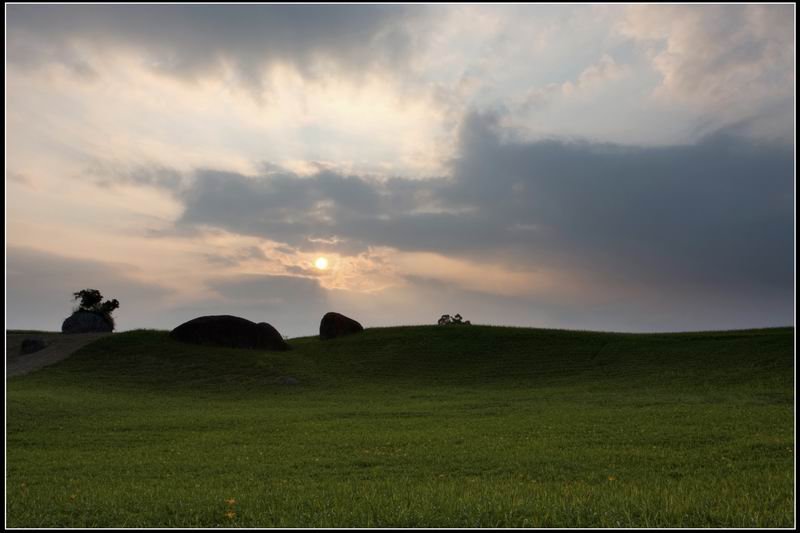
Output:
[[411, 427]]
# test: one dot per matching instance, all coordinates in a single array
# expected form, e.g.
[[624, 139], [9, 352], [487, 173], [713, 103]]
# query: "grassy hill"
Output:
[[410, 426]]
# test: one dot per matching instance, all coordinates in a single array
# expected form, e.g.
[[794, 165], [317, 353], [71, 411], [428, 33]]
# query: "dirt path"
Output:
[[59, 346]]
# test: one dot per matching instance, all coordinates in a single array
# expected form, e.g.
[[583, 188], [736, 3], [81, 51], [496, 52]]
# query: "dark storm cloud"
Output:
[[324, 211], [191, 40], [40, 286], [718, 212], [711, 216]]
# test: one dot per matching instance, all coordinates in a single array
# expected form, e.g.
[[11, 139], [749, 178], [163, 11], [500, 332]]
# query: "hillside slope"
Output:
[[410, 427], [59, 346], [470, 356]]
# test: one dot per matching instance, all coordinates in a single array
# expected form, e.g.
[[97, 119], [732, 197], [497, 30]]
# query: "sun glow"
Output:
[[321, 263]]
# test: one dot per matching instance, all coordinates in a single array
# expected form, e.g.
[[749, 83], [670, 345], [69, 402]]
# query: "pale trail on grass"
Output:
[[59, 346]]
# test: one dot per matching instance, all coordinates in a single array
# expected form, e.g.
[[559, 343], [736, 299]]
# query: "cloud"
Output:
[[711, 219], [237, 258], [325, 211], [606, 69], [110, 173], [718, 212], [20, 178], [731, 62], [191, 42]]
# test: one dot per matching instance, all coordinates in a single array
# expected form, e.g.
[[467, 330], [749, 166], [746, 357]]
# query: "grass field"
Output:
[[411, 427]]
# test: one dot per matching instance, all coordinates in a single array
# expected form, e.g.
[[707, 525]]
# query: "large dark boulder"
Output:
[[86, 322], [335, 325], [230, 331]]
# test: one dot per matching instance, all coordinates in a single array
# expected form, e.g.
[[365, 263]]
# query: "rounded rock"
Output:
[[86, 322], [230, 331], [336, 325]]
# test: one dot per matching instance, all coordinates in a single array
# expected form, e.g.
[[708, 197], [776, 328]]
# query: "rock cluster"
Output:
[[236, 332], [230, 331]]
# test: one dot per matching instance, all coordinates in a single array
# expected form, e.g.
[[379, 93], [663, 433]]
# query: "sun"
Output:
[[321, 263]]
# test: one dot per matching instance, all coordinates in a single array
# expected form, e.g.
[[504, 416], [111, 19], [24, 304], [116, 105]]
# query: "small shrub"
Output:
[[447, 320]]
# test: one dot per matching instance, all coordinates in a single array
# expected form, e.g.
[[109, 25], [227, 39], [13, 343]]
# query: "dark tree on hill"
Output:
[[90, 301]]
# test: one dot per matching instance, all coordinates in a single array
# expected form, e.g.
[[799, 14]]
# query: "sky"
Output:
[[600, 167]]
